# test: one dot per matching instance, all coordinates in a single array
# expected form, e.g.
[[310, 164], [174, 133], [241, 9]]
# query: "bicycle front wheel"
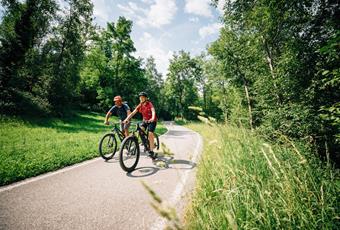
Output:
[[129, 154], [108, 146]]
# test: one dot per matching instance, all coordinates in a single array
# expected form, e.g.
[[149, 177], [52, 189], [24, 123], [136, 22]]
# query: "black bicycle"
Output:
[[108, 143], [129, 150]]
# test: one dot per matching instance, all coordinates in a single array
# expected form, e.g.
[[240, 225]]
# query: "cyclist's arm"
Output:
[[153, 114], [128, 110], [107, 117], [131, 114]]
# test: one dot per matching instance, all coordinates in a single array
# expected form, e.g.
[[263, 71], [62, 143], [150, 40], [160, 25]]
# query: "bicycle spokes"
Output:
[[108, 146], [129, 153], [109, 143]]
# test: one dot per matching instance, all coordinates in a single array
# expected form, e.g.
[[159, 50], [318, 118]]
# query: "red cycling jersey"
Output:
[[145, 110]]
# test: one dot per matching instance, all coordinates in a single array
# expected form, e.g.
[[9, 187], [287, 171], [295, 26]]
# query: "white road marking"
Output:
[[37, 178], [176, 195]]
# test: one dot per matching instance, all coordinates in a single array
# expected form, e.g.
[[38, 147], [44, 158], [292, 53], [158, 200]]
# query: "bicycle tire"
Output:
[[110, 141], [129, 149], [157, 144]]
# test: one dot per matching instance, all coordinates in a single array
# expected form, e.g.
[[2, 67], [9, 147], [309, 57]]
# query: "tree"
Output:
[[22, 32], [155, 86], [180, 86], [288, 43], [110, 69], [240, 62], [67, 51]]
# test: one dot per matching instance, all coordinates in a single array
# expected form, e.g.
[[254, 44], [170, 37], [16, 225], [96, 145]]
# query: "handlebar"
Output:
[[131, 123], [118, 123]]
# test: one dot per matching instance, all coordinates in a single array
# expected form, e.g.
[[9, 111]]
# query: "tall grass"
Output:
[[31, 146], [244, 182]]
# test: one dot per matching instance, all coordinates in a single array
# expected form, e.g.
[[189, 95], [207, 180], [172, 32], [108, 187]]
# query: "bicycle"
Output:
[[129, 150], [108, 143]]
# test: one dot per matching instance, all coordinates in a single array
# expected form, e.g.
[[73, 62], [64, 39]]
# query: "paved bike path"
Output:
[[100, 195]]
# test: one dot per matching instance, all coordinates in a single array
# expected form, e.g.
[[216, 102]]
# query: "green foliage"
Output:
[[41, 53], [110, 69], [211, 85], [68, 44], [180, 85], [284, 56], [244, 182], [234, 108], [154, 87], [22, 29], [328, 84], [53, 58], [180, 121]]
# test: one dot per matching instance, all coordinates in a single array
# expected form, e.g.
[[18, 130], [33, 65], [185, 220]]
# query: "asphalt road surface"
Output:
[[99, 195]]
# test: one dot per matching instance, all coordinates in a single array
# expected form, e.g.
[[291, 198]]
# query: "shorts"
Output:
[[151, 126], [124, 126]]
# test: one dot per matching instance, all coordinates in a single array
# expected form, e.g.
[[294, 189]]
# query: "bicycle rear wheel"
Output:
[[108, 146], [129, 154]]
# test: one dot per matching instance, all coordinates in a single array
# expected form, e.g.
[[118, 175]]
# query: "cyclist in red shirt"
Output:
[[148, 112]]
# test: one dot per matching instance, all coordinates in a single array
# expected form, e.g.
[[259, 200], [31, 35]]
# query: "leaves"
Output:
[[181, 84]]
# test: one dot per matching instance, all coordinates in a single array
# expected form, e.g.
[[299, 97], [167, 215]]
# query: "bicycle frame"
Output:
[[120, 134], [130, 148], [144, 135]]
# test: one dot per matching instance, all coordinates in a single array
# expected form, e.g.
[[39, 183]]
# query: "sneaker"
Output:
[[152, 155]]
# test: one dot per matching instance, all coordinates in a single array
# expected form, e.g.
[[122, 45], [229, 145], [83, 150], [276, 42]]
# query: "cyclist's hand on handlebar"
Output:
[[126, 121]]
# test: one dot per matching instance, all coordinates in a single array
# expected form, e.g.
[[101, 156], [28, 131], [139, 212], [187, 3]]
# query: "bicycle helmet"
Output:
[[142, 94]]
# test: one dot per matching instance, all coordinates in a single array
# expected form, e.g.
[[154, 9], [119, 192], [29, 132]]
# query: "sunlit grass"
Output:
[[29, 147], [244, 182]]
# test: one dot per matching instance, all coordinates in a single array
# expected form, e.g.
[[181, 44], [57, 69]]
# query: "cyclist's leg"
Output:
[[152, 127], [144, 125], [121, 126], [126, 129]]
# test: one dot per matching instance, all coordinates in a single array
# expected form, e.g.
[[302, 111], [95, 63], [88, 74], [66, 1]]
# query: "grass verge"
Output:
[[32, 146], [244, 182]]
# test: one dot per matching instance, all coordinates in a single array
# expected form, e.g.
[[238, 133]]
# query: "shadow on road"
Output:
[[162, 163], [143, 172], [171, 163], [115, 159]]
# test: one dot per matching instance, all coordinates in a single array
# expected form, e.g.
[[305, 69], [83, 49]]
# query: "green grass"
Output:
[[29, 147], [244, 182]]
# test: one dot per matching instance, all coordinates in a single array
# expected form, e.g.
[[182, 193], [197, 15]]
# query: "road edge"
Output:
[[56, 172], [160, 222]]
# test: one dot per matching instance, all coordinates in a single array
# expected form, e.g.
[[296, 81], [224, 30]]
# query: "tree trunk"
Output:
[[249, 105], [271, 67], [204, 97], [245, 85], [61, 56]]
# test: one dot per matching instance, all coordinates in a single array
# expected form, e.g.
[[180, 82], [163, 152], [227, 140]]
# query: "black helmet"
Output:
[[142, 94]]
